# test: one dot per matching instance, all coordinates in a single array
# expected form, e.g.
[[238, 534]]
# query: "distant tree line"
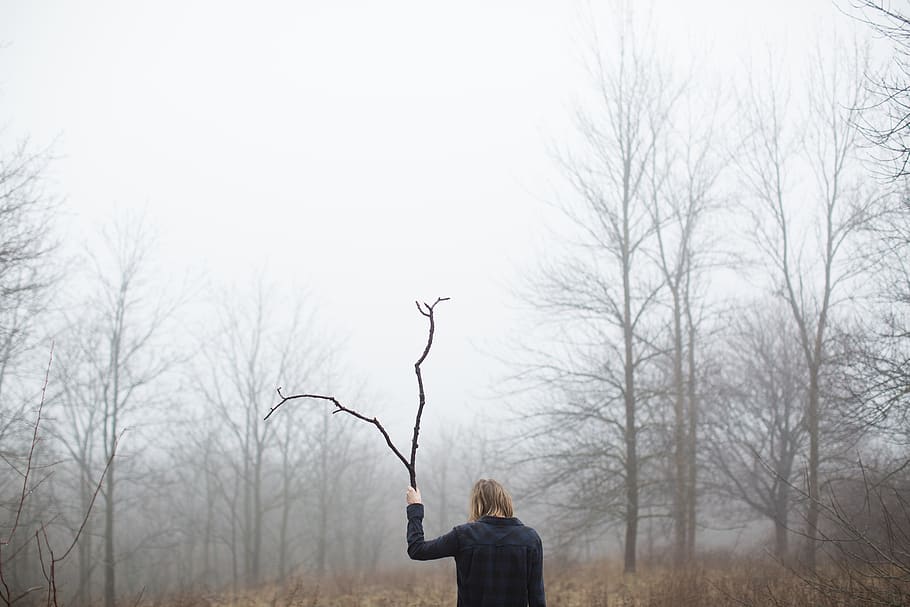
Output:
[[151, 448]]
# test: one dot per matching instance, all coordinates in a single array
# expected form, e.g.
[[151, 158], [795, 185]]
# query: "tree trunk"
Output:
[[692, 444], [256, 556], [235, 565], [630, 436], [679, 438], [322, 540], [207, 534], [812, 514], [109, 569], [781, 535], [85, 545], [247, 529], [283, 528]]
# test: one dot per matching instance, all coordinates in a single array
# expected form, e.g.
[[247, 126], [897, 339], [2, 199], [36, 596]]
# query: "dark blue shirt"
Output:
[[498, 561]]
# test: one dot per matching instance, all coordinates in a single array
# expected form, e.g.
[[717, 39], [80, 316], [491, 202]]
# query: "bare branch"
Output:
[[31, 453], [426, 310]]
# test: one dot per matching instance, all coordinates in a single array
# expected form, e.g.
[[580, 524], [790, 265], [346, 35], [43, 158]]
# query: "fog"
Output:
[[673, 238]]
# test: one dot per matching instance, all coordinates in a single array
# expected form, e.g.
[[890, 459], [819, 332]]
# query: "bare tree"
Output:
[[812, 275], [14, 543], [26, 275], [253, 349], [332, 455], [682, 186], [112, 356], [603, 291], [757, 432]]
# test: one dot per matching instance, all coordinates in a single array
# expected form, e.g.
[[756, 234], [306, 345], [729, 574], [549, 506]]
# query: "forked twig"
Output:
[[426, 310]]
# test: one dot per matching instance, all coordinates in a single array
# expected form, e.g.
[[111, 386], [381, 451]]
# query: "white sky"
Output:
[[372, 152]]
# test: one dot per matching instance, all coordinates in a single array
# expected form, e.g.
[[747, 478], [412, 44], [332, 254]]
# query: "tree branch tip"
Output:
[[438, 300], [427, 309]]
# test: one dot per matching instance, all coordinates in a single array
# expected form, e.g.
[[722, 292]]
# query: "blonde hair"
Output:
[[489, 498]]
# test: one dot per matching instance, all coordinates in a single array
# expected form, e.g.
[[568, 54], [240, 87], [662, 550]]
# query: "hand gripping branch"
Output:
[[426, 310]]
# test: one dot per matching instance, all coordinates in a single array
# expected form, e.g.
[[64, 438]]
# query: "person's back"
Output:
[[499, 560]]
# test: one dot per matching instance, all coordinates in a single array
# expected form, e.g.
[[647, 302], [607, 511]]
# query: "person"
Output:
[[498, 559]]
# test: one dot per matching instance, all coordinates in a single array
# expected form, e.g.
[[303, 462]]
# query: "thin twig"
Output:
[[341, 408], [91, 503], [31, 452]]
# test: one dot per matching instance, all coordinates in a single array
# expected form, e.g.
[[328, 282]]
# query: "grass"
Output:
[[714, 583]]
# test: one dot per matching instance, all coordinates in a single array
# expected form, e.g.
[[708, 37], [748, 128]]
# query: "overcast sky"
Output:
[[370, 152]]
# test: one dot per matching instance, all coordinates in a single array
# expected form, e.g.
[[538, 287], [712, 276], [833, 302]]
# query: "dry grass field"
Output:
[[717, 583]]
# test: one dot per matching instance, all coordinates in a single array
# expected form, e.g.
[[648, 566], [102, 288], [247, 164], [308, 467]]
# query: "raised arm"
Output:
[[420, 549]]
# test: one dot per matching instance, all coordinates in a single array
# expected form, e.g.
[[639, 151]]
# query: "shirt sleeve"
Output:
[[420, 549], [536, 595]]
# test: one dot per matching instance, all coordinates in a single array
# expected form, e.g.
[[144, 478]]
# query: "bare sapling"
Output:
[[10, 548], [427, 310]]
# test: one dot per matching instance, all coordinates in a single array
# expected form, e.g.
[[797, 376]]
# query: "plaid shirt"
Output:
[[498, 561]]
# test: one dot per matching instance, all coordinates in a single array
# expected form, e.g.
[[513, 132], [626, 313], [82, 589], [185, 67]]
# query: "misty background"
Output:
[[202, 202]]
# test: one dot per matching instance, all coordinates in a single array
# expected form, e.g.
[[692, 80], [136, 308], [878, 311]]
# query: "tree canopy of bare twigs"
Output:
[[26, 273], [885, 117]]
